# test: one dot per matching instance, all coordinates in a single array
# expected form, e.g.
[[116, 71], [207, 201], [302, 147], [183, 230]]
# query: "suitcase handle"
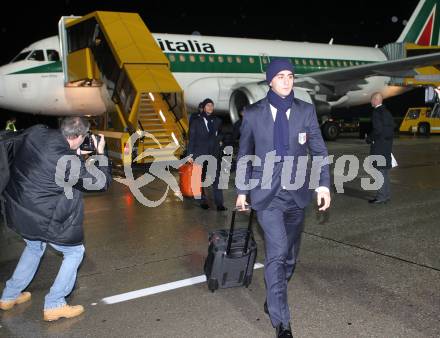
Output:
[[231, 232]]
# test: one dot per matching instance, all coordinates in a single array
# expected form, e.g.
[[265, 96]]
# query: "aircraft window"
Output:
[[21, 56], [202, 58], [36, 55], [251, 59], [182, 58], [238, 59], [52, 55], [172, 57], [229, 58], [413, 114], [211, 58], [192, 58], [220, 59]]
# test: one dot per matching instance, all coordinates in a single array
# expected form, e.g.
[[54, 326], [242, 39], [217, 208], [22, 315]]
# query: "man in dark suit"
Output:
[[287, 127], [381, 140], [204, 139]]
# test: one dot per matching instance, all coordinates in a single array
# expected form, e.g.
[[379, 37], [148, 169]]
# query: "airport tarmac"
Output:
[[364, 270]]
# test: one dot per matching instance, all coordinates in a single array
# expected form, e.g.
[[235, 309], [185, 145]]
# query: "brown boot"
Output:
[[9, 304], [65, 311]]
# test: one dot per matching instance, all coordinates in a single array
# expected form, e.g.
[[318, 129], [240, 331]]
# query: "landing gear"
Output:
[[330, 130]]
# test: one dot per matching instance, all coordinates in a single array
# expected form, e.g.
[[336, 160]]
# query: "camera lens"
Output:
[[88, 144]]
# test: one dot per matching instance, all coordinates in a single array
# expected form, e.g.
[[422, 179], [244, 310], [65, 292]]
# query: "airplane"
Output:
[[231, 71]]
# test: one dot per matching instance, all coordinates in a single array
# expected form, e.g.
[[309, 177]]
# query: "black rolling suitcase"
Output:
[[231, 256]]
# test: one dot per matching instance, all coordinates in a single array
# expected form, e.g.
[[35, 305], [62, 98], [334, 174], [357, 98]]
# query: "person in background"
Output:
[[381, 140], [205, 138], [39, 210], [10, 124]]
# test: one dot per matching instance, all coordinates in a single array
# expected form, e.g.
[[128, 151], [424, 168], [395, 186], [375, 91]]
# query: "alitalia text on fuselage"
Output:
[[191, 46]]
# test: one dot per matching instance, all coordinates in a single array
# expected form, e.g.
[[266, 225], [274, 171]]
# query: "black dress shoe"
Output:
[[221, 208], [204, 206], [376, 201], [284, 332], [266, 309]]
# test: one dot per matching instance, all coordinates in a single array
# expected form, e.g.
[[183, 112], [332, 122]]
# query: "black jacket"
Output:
[[381, 136], [200, 141], [36, 206]]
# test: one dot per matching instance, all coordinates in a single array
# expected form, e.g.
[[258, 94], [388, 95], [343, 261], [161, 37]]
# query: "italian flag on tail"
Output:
[[423, 28]]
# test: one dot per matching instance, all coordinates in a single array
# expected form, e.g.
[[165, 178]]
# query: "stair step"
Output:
[[152, 124], [147, 113], [159, 138], [150, 121], [154, 131]]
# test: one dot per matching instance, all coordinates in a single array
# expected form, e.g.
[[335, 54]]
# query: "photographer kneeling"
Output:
[[41, 211]]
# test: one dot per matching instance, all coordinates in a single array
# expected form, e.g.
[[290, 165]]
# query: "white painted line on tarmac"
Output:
[[159, 288]]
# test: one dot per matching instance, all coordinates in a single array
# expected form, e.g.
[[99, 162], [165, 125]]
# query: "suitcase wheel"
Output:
[[212, 284]]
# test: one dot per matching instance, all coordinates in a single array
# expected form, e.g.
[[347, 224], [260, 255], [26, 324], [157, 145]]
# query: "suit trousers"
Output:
[[383, 194], [282, 223], [218, 193]]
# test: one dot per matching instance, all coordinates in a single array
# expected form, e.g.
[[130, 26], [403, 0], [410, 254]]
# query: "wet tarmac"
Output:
[[364, 270]]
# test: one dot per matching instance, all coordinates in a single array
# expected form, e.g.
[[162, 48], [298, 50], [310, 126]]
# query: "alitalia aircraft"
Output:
[[231, 70]]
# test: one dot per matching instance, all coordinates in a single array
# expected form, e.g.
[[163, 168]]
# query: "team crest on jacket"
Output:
[[302, 138]]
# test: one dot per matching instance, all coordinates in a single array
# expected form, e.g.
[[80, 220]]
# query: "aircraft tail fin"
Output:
[[423, 28]]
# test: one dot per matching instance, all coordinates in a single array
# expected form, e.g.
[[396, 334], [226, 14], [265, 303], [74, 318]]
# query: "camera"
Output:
[[88, 144]]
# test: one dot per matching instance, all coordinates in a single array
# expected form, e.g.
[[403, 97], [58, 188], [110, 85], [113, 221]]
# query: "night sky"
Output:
[[363, 23], [357, 22]]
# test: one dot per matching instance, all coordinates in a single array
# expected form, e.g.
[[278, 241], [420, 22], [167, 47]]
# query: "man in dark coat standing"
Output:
[[44, 205], [204, 139], [288, 127], [381, 140]]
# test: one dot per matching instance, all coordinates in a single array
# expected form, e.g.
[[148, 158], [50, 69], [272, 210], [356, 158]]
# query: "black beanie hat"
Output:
[[205, 102], [276, 66]]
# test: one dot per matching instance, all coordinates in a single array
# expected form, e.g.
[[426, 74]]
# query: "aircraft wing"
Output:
[[355, 75]]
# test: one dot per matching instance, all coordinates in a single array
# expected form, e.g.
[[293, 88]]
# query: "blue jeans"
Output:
[[28, 265]]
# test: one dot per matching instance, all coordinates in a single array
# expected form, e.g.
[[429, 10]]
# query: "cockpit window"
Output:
[[36, 55], [21, 56], [52, 55]]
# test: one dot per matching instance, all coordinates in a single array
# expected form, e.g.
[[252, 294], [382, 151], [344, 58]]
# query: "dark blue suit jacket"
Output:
[[257, 139], [200, 141]]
